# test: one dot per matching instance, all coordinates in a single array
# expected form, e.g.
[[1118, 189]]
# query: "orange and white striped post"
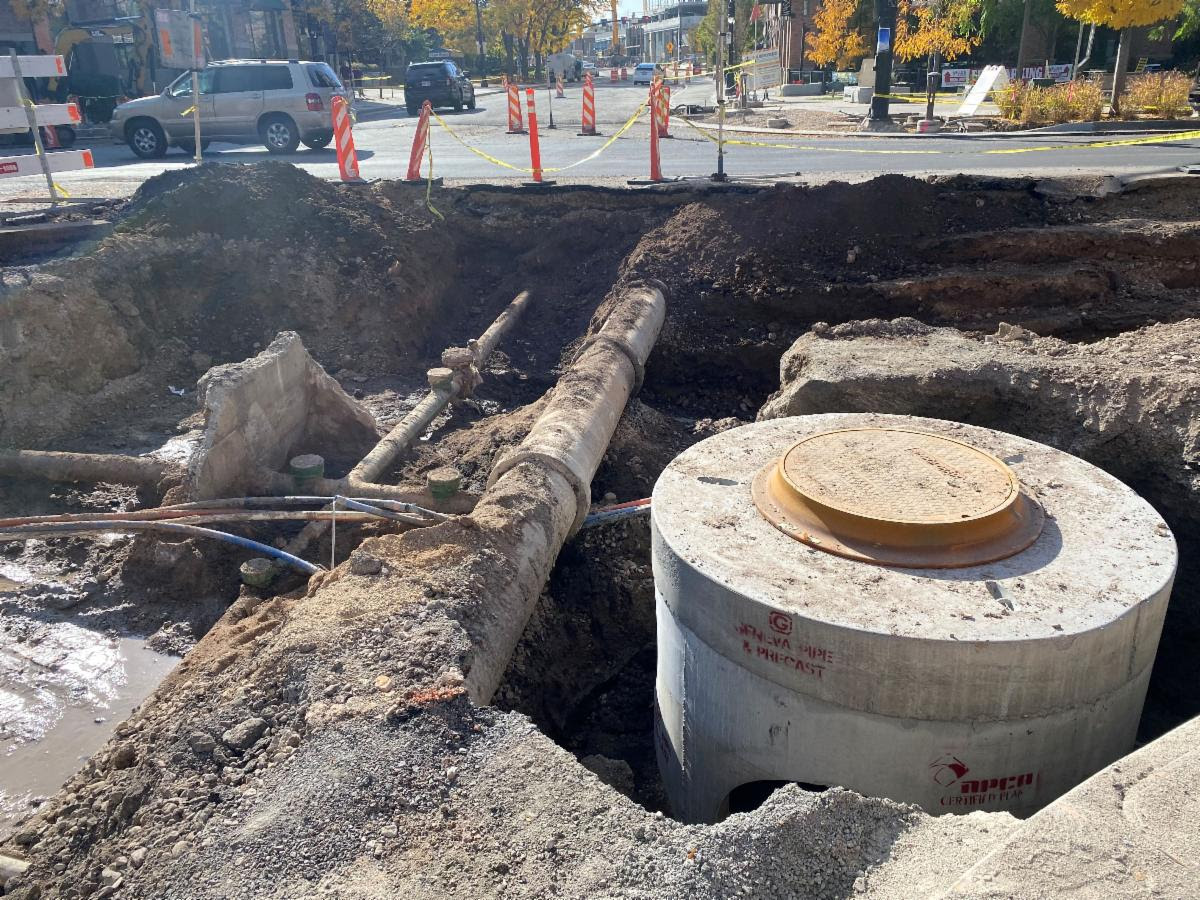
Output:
[[515, 125], [344, 140], [535, 152], [624, 74], [663, 99], [558, 87], [588, 120], [613, 74], [655, 165], [420, 143]]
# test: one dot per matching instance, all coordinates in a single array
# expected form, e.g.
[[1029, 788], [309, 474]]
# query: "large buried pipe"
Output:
[[89, 467], [547, 478]]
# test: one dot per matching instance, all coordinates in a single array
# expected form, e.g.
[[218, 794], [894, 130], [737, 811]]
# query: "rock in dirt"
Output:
[[245, 734]]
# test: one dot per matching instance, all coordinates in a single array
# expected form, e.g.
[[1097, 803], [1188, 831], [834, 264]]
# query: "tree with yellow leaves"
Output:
[[1125, 16], [936, 28], [836, 41]]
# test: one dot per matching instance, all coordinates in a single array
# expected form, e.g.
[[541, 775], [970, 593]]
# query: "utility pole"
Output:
[[885, 12]]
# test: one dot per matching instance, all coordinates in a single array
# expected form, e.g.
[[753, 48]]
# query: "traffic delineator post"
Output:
[[558, 87], [588, 120], [343, 139], [663, 109], [515, 125], [655, 165], [419, 144], [535, 151], [624, 74], [613, 74]]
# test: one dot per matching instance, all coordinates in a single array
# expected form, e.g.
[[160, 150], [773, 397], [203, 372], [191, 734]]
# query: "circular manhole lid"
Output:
[[898, 497]]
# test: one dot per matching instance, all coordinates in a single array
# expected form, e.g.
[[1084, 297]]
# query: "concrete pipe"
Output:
[[915, 609], [88, 467], [545, 483], [573, 432]]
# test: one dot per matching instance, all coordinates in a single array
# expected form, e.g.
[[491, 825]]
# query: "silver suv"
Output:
[[242, 101]]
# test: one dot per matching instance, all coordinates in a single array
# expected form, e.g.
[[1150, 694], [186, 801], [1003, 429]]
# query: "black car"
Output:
[[441, 83]]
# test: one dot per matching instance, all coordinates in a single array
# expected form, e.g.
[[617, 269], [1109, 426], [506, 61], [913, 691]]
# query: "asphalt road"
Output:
[[384, 137]]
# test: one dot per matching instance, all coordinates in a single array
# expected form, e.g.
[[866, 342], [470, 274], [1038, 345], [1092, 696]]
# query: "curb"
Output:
[[1166, 127]]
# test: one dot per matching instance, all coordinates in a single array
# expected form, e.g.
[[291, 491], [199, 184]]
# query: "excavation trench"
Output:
[[448, 618]]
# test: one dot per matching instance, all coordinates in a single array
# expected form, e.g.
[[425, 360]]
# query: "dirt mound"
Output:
[[207, 268], [751, 272], [271, 201]]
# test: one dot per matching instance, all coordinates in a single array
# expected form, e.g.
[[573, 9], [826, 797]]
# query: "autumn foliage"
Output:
[[948, 28], [1120, 14], [835, 41]]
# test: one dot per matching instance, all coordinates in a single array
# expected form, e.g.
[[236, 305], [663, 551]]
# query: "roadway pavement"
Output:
[[384, 136]]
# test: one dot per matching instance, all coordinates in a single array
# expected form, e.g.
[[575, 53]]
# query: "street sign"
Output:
[[992, 78], [180, 40]]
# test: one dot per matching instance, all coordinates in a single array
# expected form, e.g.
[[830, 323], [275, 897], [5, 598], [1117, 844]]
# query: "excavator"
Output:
[[105, 62]]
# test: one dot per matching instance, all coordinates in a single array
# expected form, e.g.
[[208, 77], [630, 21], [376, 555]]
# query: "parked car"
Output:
[[645, 72], [590, 68], [441, 83], [282, 104]]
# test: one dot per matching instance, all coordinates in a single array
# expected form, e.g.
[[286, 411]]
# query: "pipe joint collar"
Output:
[[581, 486]]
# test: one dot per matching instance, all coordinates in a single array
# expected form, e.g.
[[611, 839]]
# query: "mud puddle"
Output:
[[63, 690]]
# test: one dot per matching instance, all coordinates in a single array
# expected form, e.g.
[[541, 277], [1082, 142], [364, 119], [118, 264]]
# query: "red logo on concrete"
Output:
[[780, 623], [948, 769]]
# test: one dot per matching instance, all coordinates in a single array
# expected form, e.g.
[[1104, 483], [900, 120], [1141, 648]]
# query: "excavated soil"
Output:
[[272, 763]]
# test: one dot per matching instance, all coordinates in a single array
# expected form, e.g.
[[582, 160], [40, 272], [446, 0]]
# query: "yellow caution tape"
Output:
[[1128, 142], [499, 162], [62, 191], [429, 182], [616, 134], [740, 143], [910, 98]]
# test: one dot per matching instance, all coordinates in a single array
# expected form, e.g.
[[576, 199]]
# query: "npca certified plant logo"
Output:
[[780, 623], [948, 769]]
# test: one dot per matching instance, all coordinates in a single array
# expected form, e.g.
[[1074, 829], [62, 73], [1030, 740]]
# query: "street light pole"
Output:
[[479, 41], [725, 36], [885, 11]]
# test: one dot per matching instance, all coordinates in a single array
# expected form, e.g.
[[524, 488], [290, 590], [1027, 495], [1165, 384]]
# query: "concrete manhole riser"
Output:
[[997, 686]]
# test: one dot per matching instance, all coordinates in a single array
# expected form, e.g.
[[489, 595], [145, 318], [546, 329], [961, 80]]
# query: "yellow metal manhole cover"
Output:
[[898, 497]]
